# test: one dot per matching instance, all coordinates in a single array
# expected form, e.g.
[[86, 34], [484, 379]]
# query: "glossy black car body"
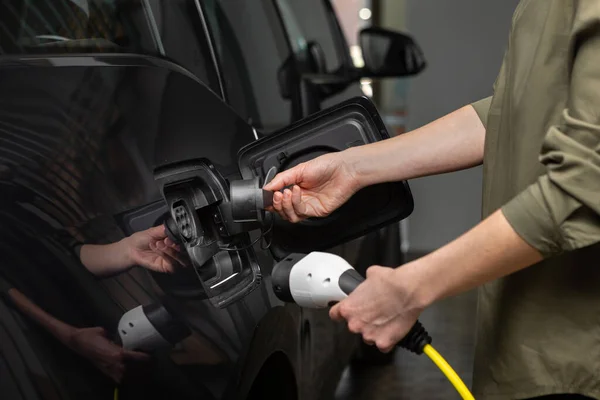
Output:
[[83, 125]]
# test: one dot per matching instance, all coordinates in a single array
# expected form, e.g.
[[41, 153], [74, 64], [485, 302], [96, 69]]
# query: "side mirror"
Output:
[[389, 54]]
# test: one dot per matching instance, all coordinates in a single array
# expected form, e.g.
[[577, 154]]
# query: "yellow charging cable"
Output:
[[452, 376]]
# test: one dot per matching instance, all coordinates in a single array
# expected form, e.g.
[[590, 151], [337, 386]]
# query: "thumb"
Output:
[[285, 178], [157, 232]]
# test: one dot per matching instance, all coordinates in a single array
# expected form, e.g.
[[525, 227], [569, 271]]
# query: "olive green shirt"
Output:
[[539, 329]]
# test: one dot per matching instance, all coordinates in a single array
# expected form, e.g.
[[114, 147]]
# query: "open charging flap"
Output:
[[354, 122]]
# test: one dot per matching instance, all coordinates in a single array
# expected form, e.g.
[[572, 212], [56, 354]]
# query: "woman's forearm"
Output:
[[451, 143], [57, 328], [106, 259], [489, 251]]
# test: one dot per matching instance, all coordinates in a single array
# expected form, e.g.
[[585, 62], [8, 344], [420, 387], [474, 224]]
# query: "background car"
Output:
[[94, 97]]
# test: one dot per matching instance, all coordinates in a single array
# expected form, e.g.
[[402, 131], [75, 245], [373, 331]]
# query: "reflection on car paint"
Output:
[[64, 131]]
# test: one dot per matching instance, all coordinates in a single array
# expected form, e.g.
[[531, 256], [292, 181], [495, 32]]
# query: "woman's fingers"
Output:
[[288, 207], [285, 178], [172, 244], [157, 232], [289, 204], [164, 263], [174, 254], [299, 208], [278, 204], [161, 262]]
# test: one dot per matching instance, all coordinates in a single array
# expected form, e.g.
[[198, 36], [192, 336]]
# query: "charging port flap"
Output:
[[354, 122]]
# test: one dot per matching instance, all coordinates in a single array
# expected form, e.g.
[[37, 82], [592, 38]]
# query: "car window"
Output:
[[307, 21], [292, 26], [165, 28], [252, 47]]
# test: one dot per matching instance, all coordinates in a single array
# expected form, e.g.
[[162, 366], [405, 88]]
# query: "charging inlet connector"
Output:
[[212, 219]]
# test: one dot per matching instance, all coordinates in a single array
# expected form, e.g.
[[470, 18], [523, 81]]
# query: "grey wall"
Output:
[[463, 41]]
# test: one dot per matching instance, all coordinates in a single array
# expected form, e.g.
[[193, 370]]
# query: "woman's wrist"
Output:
[[66, 336], [412, 280], [363, 167], [107, 259], [124, 253], [376, 163]]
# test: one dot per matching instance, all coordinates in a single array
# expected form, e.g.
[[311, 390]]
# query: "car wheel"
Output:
[[276, 380]]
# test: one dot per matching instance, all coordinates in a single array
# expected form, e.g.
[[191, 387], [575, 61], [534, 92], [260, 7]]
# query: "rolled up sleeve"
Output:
[[561, 210], [482, 107]]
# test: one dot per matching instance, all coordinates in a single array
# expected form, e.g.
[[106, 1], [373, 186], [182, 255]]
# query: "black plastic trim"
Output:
[[350, 280], [416, 339], [280, 277]]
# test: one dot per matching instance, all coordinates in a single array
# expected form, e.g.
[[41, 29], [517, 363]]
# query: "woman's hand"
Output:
[[382, 309], [110, 359], [152, 249], [319, 187]]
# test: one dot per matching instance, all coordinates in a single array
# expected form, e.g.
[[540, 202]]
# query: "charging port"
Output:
[[202, 220]]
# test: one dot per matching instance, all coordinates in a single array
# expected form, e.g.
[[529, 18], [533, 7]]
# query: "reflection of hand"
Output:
[[109, 358], [152, 249], [320, 186], [382, 308]]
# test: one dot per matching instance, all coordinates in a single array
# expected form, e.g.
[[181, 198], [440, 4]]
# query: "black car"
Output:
[[118, 116]]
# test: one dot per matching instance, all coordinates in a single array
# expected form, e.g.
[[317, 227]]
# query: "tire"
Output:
[[276, 380]]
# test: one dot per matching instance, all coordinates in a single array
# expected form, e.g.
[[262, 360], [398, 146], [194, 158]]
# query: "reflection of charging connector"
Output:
[[151, 327]]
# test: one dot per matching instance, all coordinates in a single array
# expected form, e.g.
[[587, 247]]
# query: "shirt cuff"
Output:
[[482, 107], [564, 226]]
